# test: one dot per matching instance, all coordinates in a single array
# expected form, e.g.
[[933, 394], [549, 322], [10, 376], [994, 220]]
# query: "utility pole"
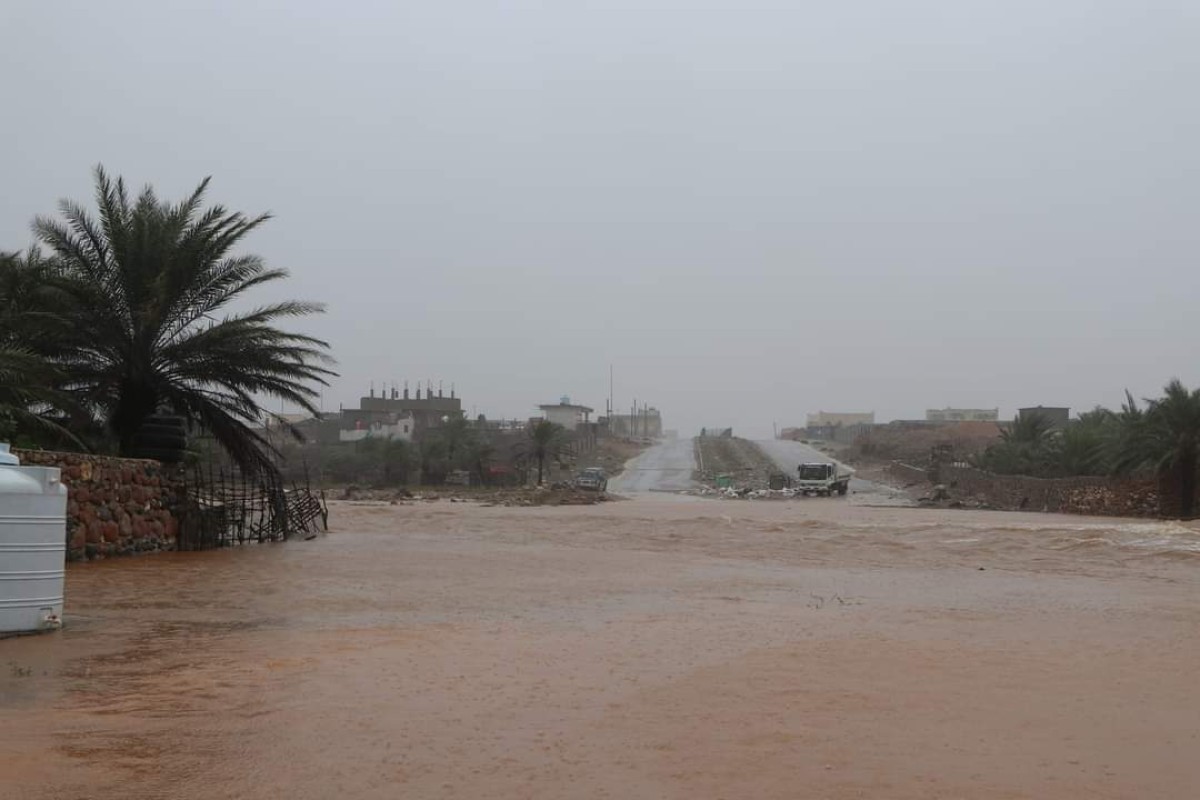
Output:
[[610, 398]]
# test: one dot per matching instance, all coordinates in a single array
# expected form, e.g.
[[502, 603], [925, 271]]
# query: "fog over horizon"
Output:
[[751, 212]]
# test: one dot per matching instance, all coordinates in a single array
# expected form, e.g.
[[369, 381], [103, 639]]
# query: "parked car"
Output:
[[593, 479], [458, 477]]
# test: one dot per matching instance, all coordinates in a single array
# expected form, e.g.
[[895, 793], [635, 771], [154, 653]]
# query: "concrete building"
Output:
[[962, 414], [566, 414], [647, 423], [1057, 416], [830, 419], [402, 428], [388, 408], [838, 426]]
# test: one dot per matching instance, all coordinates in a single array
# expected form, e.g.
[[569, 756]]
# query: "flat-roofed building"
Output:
[[962, 414]]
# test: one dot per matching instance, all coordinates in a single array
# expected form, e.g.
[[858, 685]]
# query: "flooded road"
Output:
[[788, 454], [667, 647], [665, 467]]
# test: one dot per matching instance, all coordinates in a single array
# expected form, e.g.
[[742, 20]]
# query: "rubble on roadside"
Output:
[[742, 493], [557, 494]]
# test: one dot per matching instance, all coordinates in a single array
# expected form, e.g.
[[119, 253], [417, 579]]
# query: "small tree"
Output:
[[396, 456], [458, 438], [435, 463], [546, 440]]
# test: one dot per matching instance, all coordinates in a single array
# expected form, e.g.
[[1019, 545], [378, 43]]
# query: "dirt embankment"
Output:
[[739, 459], [915, 444]]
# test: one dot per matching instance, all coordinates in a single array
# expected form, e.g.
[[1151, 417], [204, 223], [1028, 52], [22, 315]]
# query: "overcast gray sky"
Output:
[[751, 210]]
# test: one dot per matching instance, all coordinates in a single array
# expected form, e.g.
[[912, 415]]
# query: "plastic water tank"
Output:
[[33, 545]]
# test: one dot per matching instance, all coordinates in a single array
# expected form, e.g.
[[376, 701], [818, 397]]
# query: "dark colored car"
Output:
[[592, 479]]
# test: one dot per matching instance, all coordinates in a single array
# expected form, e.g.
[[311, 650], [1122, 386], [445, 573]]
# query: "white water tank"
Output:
[[33, 545]]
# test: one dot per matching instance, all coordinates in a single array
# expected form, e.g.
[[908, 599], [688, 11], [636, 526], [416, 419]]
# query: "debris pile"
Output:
[[744, 493], [558, 494]]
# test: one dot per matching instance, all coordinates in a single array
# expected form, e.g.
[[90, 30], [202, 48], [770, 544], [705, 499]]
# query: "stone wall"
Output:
[[115, 506], [1129, 497]]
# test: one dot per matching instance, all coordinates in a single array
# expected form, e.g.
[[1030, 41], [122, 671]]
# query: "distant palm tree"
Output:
[[1165, 437], [459, 438], [482, 455], [1082, 447], [1032, 428], [141, 287], [546, 440]]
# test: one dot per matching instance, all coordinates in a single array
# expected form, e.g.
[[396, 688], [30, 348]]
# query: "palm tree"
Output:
[[459, 438], [1026, 447], [1081, 448], [546, 440], [142, 285], [29, 403], [29, 399], [1165, 437], [1032, 429]]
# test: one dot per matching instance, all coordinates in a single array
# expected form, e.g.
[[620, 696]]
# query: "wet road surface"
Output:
[[666, 647], [665, 467], [789, 454]]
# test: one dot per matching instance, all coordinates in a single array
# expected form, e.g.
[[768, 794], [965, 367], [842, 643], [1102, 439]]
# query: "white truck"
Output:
[[823, 478]]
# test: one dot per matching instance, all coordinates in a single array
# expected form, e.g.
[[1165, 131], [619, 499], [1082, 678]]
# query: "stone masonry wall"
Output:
[[1133, 497], [115, 506]]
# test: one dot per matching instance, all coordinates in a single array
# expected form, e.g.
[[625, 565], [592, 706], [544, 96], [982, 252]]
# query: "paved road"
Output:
[[664, 467], [788, 455]]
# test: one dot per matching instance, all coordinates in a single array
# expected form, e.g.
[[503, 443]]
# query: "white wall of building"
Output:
[[570, 417], [402, 430]]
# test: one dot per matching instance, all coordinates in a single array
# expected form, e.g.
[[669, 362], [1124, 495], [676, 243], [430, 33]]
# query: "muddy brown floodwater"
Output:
[[658, 648]]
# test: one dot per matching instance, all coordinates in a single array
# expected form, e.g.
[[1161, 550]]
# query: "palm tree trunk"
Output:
[[1187, 486], [541, 465]]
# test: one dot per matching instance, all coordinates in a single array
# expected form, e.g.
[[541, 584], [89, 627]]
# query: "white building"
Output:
[[565, 414], [401, 429]]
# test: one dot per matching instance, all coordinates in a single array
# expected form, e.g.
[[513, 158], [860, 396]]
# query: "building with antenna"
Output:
[[394, 406], [565, 413]]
